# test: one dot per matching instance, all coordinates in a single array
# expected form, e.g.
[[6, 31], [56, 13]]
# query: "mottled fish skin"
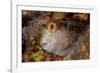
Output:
[[56, 42]]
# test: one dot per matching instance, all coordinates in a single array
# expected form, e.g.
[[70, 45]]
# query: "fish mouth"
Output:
[[43, 44], [47, 48]]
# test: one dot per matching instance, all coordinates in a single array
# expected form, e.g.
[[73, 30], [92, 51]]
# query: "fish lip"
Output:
[[43, 44]]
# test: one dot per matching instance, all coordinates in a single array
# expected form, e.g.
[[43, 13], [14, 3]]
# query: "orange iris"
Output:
[[52, 26]]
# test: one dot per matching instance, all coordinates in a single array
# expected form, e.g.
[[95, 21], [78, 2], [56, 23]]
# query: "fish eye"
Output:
[[52, 26]]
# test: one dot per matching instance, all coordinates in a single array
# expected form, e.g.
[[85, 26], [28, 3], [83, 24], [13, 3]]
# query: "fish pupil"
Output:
[[52, 27]]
